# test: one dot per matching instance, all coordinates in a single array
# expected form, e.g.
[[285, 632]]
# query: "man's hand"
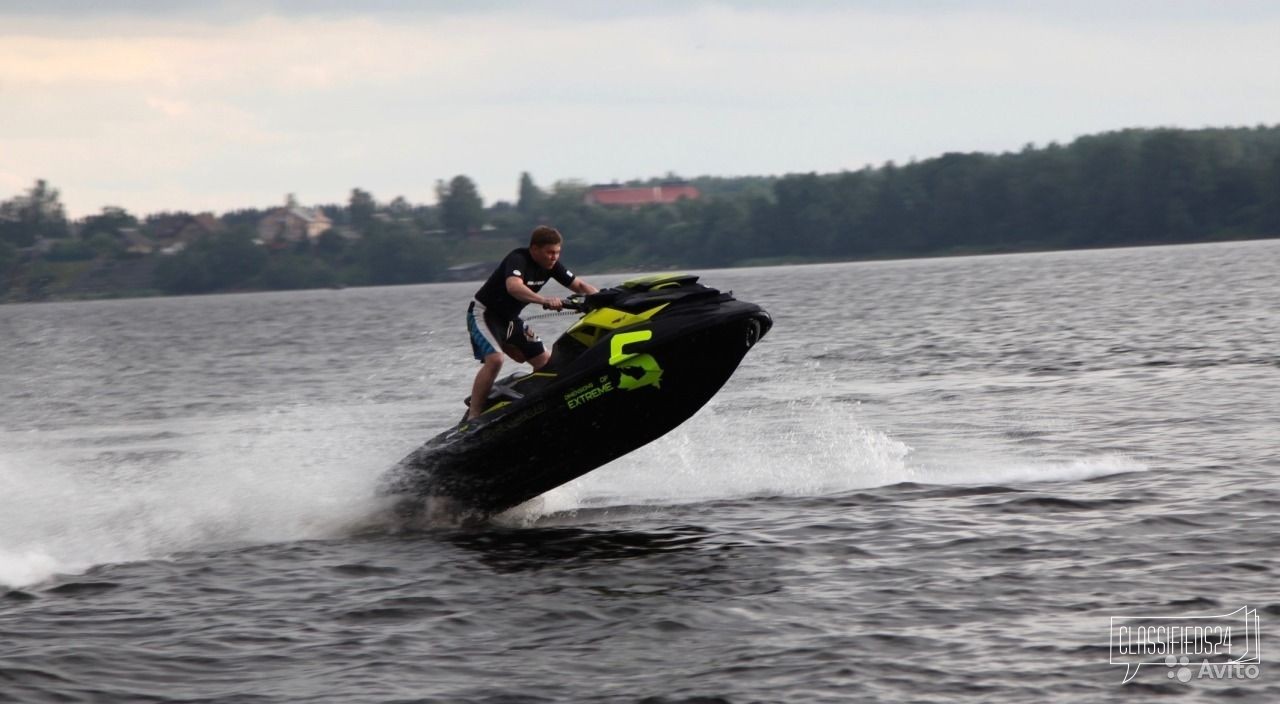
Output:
[[553, 303]]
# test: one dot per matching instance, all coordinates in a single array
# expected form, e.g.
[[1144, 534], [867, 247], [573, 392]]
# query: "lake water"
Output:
[[935, 480]]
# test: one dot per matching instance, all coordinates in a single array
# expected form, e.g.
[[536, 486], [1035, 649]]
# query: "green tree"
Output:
[[38, 213], [330, 245], [8, 262], [360, 209], [803, 219], [70, 251], [243, 217], [1174, 177], [286, 271], [1270, 207], [400, 209], [721, 224], [1106, 188], [461, 208], [105, 245], [399, 255], [111, 221], [531, 196], [215, 263]]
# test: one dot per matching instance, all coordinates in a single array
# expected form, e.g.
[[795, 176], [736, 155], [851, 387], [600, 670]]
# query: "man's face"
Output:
[[545, 255]]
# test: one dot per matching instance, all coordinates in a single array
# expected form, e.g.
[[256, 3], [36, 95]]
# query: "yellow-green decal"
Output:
[[638, 370], [588, 392]]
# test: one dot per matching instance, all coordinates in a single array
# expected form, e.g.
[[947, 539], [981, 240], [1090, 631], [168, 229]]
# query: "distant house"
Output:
[[634, 197], [291, 224], [174, 233], [135, 242]]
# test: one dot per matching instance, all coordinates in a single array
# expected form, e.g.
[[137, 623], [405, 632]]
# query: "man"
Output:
[[493, 318]]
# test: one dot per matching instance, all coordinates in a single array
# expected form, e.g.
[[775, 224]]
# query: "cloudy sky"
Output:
[[220, 104]]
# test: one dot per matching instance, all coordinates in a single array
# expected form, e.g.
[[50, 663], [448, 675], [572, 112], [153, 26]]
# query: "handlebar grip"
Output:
[[575, 303]]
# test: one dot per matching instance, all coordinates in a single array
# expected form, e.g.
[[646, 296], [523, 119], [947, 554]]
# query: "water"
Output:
[[935, 480]]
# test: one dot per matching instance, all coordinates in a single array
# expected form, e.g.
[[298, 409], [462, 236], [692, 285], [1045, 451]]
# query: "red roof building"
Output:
[[634, 197]]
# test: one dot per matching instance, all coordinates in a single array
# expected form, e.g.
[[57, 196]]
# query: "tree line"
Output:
[[1130, 187], [1133, 187]]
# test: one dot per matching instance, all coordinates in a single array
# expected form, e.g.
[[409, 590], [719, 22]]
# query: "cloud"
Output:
[[141, 103], [175, 109]]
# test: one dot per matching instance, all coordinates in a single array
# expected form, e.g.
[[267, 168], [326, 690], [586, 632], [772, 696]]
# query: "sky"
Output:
[[222, 104]]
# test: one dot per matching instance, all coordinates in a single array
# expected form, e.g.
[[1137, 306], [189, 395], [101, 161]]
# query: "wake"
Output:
[[70, 501], [807, 449]]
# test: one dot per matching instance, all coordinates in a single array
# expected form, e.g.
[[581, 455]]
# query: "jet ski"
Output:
[[641, 359]]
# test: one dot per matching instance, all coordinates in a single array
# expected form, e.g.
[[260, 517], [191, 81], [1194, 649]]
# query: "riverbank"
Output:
[[132, 278]]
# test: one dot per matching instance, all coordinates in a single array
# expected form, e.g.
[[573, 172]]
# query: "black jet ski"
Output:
[[642, 359]]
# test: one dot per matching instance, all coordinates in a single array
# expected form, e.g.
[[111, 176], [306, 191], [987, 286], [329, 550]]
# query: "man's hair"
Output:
[[543, 236]]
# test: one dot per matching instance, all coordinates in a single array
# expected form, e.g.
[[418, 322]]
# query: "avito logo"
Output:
[[1227, 646]]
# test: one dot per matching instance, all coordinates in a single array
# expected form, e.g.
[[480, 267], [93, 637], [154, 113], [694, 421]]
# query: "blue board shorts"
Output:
[[490, 334]]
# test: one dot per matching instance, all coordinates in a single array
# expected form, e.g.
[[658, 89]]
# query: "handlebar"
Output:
[[576, 302]]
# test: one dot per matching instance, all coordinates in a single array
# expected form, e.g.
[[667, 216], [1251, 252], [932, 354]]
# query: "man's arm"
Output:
[[516, 287]]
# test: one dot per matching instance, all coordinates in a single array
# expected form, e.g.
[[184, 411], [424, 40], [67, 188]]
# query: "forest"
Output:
[[1123, 188]]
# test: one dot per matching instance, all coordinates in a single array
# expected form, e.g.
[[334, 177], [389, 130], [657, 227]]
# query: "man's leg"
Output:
[[541, 360], [483, 384], [529, 345]]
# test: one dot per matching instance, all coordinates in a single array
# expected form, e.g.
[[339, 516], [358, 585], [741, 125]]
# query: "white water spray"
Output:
[[68, 503], [122, 494]]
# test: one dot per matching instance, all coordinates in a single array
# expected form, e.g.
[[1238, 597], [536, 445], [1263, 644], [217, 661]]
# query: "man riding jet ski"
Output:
[[493, 318], [643, 358]]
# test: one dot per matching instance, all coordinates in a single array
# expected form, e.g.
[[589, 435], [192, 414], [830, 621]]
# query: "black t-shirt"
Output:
[[520, 263]]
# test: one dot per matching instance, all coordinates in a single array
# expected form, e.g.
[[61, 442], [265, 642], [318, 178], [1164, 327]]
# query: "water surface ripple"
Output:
[[935, 481]]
